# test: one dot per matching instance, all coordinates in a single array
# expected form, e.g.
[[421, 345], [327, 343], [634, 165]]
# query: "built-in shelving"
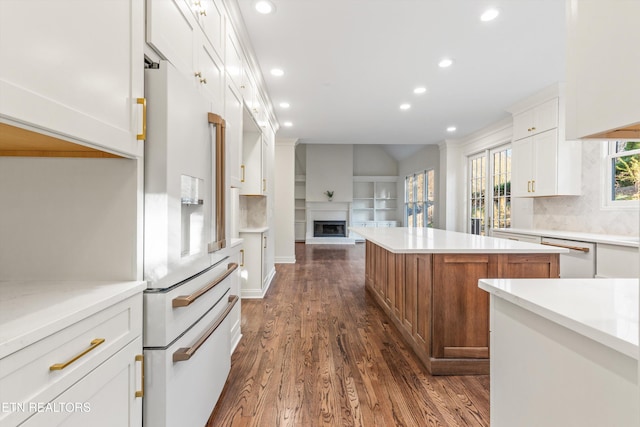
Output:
[[300, 208], [375, 201]]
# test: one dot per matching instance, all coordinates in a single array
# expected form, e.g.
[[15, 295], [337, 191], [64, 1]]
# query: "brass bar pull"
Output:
[[242, 254], [143, 135], [185, 353], [264, 185], [185, 300], [573, 248], [242, 173], [533, 186], [140, 358], [60, 366], [528, 186], [265, 242]]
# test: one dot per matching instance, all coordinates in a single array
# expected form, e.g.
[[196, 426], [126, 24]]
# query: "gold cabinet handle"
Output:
[[528, 186], [143, 135], [140, 358], [265, 242], [185, 300], [186, 353], [533, 186], [203, 81], [573, 248], [242, 257], [264, 185], [60, 366], [203, 12], [533, 128], [197, 74], [242, 173]]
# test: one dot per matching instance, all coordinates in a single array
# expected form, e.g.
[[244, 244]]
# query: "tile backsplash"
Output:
[[585, 213]]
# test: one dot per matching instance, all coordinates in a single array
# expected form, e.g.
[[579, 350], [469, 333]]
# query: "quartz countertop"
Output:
[[611, 239], [32, 310], [432, 240], [253, 229], [605, 310]]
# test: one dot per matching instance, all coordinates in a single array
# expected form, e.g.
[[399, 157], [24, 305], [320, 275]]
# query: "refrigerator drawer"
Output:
[[171, 311], [183, 381], [579, 262]]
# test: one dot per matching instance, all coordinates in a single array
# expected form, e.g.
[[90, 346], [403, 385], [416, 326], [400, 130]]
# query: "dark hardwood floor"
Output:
[[317, 351]]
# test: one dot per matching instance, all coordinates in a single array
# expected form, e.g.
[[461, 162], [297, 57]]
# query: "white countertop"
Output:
[[253, 230], [632, 241], [605, 310], [32, 310], [431, 240]]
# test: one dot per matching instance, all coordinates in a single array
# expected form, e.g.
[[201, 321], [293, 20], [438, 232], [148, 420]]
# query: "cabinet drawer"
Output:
[[513, 236], [616, 261], [27, 375]]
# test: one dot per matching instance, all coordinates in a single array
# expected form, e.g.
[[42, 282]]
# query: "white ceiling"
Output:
[[349, 64]]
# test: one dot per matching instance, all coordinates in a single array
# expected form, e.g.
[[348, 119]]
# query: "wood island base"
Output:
[[434, 300]]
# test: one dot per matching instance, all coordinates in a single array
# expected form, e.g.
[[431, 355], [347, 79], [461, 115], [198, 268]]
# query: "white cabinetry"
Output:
[[64, 80], [375, 201], [515, 236], [602, 69], [254, 159], [617, 261], [233, 117], [87, 351], [543, 162], [254, 277]]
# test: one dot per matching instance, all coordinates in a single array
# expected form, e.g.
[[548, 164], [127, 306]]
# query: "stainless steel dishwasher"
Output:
[[579, 262]]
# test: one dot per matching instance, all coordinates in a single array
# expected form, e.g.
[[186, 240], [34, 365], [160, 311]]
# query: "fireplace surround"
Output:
[[329, 229]]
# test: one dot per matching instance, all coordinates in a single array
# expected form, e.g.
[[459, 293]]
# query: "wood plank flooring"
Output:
[[317, 351]]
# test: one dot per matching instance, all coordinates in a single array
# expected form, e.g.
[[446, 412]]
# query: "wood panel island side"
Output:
[[426, 281]]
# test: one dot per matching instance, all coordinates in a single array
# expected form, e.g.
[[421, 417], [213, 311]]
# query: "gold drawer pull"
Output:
[[142, 136], [242, 253], [185, 353], [573, 248], [60, 366], [140, 358], [185, 300], [242, 173]]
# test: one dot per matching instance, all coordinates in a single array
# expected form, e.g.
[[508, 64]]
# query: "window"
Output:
[[420, 199], [490, 190], [622, 174]]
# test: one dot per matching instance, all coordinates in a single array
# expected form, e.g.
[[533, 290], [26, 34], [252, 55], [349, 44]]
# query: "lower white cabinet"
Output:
[[110, 395], [85, 372], [255, 276], [617, 261]]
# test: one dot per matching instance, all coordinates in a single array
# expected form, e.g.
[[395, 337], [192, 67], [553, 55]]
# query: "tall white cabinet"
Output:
[[543, 162]]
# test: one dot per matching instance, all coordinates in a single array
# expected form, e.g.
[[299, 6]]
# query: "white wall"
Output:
[[329, 167], [373, 160], [69, 219], [284, 201]]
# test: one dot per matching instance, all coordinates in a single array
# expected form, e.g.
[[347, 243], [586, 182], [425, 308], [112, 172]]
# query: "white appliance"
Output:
[[579, 262], [186, 335]]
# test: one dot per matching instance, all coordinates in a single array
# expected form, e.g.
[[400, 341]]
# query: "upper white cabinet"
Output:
[[233, 113], [535, 120], [603, 81], [210, 16], [543, 162], [75, 69], [233, 59]]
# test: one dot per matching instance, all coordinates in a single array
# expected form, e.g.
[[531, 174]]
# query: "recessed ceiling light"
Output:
[[489, 15], [284, 105], [451, 129], [265, 7], [405, 106], [277, 72], [287, 124], [420, 90], [445, 62]]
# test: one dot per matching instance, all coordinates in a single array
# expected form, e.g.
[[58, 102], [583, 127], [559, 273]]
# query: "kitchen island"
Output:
[[564, 352], [426, 280]]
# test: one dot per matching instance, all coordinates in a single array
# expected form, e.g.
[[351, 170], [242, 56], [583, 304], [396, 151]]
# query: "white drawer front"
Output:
[[164, 322], [26, 375], [183, 393]]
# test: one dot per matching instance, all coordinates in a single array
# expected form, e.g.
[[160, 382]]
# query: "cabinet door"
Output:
[[172, 31], [522, 167], [522, 266], [461, 309], [251, 278], [233, 59], [522, 124], [210, 14], [545, 116], [105, 397], [209, 74], [233, 118], [545, 163], [66, 73]]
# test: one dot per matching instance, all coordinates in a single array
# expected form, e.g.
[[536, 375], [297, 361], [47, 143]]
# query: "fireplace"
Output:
[[329, 228]]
